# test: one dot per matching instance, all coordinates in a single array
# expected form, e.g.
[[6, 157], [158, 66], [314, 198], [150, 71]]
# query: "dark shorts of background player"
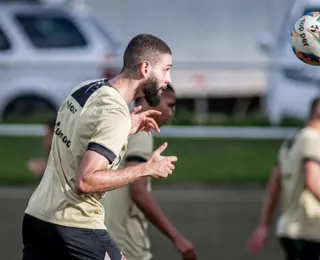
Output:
[[43, 240], [299, 249]]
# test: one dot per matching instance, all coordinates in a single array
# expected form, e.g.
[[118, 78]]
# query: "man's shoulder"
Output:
[[98, 97], [108, 100], [309, 133]]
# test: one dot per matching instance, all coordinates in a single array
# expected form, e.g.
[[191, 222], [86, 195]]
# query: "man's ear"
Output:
[[145, 69]]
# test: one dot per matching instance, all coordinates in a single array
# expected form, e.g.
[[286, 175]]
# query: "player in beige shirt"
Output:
[[64, 218], [129, 208], [296, 183]]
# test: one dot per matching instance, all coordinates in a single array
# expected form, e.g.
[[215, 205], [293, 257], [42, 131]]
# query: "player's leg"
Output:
[[88, 244], [289, 248], [35, 247], [309, 250], [112, 250], [43, 240]]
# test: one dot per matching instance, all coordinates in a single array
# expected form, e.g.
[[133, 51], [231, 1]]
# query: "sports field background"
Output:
[[205, 161], [213, 197], [217, 221]]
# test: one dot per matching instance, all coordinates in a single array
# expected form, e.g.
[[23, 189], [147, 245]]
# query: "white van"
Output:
[[45, 51], [292, 84]]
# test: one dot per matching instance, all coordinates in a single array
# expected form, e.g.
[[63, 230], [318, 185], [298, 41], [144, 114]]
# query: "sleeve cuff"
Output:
[[309, 158], [135, 158], [98, 148]]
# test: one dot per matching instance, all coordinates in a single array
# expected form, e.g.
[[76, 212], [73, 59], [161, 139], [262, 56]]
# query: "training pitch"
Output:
[[218, 221]]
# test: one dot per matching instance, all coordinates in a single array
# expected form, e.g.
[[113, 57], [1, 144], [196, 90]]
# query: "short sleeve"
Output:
[[311, 148], [110, 134], [281, 152], [140, 147]]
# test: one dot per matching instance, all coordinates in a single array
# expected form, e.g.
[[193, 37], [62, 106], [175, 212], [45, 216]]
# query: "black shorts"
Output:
[[43, 240], [299, 249]]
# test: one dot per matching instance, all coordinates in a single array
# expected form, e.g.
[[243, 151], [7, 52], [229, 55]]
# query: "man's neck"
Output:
[[127, 88], [314, 123]]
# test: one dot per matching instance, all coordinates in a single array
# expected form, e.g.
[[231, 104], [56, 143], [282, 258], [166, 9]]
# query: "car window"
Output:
[[51, 32], [4, 41]]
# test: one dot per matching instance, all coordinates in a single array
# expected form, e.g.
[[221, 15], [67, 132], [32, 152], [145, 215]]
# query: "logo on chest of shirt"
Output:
[[61, 135]]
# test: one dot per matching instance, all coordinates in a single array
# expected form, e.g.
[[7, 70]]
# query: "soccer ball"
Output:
[[305, 38]]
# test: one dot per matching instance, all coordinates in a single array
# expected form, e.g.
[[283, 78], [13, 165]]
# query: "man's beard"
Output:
[[150, 90]]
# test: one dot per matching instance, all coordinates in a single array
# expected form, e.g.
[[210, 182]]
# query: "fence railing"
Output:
[[178, 131]]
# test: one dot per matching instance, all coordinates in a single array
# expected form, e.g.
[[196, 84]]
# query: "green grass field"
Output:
[[216, 161], [205, 161]]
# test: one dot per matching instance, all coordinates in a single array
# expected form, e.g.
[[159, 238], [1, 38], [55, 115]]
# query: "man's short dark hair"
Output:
[[144, 47]]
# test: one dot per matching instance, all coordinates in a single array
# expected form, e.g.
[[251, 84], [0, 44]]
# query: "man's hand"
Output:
[[185, 248], [143, 121], [257, 240], [37, 166], [161, 166]]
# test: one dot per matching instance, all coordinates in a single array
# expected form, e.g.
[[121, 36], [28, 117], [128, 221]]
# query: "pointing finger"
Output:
[[152, 112]]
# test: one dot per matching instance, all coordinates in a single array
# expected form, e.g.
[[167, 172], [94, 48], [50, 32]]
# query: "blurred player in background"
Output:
[[128, 208], [295, 181], [38, 165]]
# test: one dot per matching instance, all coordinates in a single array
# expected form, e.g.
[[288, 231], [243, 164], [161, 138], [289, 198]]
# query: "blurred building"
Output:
[[215, 43]]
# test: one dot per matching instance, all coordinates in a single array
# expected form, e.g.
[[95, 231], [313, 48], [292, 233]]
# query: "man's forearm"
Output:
[[37, 166], [312, 177], [106, 180], [154, 214]]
